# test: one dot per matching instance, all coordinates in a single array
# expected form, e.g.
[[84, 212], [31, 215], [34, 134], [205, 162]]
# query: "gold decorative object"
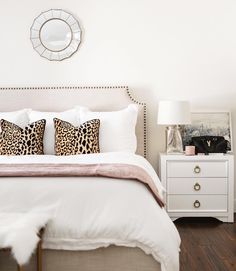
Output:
[[197, 169], [196, 204], [197, 187]]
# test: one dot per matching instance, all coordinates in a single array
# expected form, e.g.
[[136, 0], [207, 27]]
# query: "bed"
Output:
[[101, 223]]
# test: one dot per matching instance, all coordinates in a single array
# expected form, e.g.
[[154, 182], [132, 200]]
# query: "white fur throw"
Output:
[[18, 231]]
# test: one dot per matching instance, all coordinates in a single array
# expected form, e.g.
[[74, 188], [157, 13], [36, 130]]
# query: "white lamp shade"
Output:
[[174, 113]]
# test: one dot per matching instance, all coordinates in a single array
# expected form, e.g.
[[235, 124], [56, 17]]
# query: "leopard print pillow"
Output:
[[70, 140], [17, 141]]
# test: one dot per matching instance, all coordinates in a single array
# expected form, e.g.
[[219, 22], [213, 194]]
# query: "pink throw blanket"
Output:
[[117, 171]]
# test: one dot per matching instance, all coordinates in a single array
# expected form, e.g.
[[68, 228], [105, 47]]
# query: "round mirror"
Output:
[[55, 34]]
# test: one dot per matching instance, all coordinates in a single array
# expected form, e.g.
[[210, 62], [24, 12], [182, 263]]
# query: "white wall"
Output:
[[170, 49]]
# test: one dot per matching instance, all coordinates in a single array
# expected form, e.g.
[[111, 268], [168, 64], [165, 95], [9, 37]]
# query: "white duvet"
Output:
[[95, 212]]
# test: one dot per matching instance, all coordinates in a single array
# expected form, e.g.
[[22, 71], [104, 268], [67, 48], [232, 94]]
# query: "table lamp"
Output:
[[172, 114]]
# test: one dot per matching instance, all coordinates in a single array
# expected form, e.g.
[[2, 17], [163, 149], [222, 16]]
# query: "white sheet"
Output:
[[95, 212]]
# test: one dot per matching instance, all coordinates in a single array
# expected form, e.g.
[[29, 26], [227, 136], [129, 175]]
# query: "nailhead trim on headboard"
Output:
[[126, 88], [144, 119]]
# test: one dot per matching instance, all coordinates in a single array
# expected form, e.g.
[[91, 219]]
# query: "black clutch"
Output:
[[210, 144]]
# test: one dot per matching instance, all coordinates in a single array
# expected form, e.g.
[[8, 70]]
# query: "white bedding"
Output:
[[95, 212]]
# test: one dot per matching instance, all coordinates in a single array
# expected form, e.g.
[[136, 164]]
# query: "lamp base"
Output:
[[174, 143]]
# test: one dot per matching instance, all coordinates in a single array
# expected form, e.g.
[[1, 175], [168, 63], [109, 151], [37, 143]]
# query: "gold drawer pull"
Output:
[[197, 187], [197, 169], [196, 204]]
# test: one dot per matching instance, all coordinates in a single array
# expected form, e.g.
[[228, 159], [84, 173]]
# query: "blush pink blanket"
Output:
[[113, 170]]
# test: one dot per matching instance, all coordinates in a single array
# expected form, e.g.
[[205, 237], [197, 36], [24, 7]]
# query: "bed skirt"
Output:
[[112, 258]]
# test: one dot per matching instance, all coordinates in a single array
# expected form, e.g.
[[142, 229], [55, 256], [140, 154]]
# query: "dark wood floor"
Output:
[[207, 244]]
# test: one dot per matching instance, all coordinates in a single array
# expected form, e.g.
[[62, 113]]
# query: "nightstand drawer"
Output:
[[197, 203], [197, 169], [217, 186]]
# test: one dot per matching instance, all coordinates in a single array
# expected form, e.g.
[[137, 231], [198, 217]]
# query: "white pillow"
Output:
[[117, 128], [49, 134], [19, 117]]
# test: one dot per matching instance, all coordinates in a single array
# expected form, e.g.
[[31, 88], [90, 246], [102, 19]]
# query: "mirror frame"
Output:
[[41, 20]]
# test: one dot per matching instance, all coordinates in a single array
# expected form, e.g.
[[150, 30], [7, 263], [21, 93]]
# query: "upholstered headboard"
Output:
[[61, 98]]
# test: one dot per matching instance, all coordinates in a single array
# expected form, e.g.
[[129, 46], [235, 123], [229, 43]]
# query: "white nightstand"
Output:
[[198, 185]]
